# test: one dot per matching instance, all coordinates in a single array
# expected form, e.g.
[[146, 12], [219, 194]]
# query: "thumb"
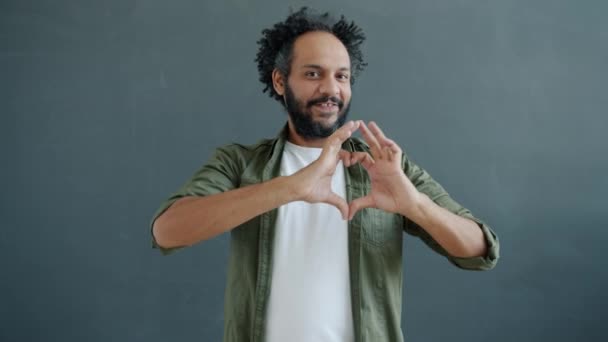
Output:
[[339, 203], [360, 203]]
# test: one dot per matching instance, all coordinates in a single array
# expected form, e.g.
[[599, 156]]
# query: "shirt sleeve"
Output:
[[221, 173], [427, 185]]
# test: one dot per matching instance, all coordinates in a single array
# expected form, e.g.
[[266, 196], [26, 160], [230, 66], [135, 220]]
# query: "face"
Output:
[[317, 92], [302, 116]]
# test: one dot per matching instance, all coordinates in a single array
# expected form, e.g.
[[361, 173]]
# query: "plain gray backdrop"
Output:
[[107, 107]]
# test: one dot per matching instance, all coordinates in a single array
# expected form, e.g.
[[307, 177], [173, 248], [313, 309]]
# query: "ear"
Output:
[[278, 82]]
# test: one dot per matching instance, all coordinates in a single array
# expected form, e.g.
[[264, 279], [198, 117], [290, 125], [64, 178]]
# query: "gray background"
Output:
[[109, 106]]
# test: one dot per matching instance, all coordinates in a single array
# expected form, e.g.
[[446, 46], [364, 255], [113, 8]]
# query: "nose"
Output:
[[329, 87]]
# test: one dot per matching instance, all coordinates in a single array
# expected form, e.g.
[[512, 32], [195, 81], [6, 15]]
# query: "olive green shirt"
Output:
[[374, 242]]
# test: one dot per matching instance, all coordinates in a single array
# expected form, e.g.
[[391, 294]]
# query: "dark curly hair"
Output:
[[276, 44]]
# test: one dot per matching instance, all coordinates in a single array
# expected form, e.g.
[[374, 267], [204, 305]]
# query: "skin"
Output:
[[321, 67]]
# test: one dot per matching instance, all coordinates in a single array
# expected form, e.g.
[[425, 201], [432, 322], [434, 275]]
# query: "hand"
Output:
[[391, 190], [313, 183]]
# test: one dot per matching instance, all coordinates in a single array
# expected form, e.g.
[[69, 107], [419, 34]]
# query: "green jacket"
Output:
[[374, 246]]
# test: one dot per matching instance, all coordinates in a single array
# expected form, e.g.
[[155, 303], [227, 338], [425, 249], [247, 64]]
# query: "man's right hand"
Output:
[[313, 183], [193, 219]]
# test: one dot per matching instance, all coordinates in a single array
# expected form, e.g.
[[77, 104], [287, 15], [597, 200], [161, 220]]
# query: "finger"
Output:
[[339, 203], [383, 140], [393, 151], [362, 157], [334, 142], [378, 134], [371, 140], [346, 131], [345, 157], [360, 203], [393, 146], [390, 156]]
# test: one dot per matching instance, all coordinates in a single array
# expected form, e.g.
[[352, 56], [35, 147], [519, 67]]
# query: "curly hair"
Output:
[[276, 44]]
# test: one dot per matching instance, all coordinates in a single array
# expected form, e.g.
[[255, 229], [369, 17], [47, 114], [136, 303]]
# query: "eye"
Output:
[[312, 74], [343, 77]]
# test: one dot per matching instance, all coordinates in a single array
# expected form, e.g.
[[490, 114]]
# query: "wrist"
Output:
[[291, 188], [418, 207]]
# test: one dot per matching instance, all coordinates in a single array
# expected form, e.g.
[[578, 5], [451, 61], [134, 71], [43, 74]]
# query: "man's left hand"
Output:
[[391, 190]]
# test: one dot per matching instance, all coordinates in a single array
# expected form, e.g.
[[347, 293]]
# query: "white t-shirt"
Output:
[[310, 291]]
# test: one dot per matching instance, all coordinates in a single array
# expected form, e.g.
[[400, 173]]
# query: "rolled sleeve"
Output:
[[160, 211], [221, 173], [485, 262], [427, 185]]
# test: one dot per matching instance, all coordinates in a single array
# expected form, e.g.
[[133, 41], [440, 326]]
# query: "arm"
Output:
[[430, 213], [459, 236], [193, 219]]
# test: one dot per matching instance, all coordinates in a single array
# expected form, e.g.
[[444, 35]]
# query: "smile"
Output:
[[326, 105]]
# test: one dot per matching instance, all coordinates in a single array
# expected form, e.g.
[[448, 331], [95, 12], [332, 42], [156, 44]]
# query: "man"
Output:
[[317, 217]]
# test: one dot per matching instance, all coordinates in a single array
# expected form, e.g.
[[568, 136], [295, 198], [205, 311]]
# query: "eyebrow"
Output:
[[318, 67]]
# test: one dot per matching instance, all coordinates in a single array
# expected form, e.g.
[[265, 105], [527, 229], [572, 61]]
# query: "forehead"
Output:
[[320, 48]]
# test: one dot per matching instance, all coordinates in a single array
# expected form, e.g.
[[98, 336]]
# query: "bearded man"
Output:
[[316, 216]]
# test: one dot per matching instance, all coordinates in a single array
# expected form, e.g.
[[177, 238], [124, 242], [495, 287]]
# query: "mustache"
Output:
[[333, 99]]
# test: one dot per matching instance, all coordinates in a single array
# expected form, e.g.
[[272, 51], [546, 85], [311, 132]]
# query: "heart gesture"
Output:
[[391, 190]]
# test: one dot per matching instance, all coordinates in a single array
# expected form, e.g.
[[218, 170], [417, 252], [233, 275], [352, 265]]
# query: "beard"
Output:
[[302, 118]]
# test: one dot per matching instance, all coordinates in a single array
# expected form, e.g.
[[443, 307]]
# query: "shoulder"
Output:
[[239, 157], [246, 152]]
